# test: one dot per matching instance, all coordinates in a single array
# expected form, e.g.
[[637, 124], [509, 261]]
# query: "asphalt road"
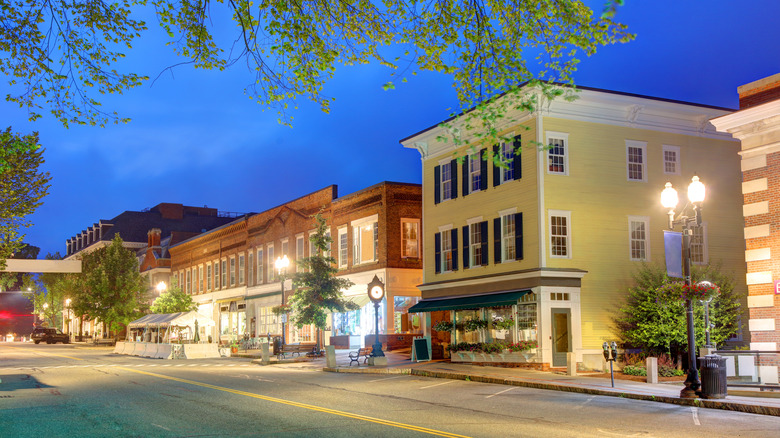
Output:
[[66, 391]]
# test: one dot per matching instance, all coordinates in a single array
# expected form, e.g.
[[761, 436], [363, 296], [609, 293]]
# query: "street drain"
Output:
[[6, 396]]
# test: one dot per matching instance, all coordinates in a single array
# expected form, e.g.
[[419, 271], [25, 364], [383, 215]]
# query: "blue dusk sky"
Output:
[[196, 139]]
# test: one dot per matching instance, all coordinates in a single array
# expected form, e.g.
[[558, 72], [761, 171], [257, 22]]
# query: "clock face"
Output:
[[376, 293]]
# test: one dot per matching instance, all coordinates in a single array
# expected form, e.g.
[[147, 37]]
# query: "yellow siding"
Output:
[[521, 194], [600, 198]]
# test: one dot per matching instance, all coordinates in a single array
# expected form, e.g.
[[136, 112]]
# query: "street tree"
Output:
[[62, 57], [654, 319], [173, 300], [317, 290], [111, 288], [22, 187]]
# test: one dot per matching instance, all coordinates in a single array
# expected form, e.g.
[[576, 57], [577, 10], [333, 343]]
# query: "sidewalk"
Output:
[[399, 363]]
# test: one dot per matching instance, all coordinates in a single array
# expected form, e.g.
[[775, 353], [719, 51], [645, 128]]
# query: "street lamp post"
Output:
[[707, 327], [669, 200], [281, 266], [66, 323]]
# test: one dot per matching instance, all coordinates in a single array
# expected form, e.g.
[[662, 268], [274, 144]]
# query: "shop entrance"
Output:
[[561, 336]]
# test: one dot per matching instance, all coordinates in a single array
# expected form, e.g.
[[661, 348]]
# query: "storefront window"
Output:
[[463, 335], [267, 322], [527, 321], [403, 321], [502, 325], [224, 321]]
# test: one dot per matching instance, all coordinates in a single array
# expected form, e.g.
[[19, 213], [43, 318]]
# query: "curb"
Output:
[[697, 402]]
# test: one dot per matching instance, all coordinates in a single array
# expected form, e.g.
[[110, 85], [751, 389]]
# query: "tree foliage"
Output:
[[173, 300], [22, 188], [63, 56], [110, 288], [50, 291], [317, 290], [655, 321]]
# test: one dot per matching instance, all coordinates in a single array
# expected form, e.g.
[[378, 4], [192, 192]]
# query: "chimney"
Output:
[[153, 237], [758, 92]]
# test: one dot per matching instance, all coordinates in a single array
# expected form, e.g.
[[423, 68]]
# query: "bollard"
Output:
[[330, 356], [571, 364], [266, 353], [652, 369]]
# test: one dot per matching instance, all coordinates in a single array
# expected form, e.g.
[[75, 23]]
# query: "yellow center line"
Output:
[[303, 405], [45, 354]]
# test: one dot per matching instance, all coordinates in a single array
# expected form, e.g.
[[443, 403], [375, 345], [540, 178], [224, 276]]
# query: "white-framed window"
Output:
[[208, 276], [446, 180], [271, 263], [636, 160], [638, 238], [299, 249], [241, 268], [508, 236], [699, 253], [507, 152], [250, 265], [260, 265], [560, 234], [671, 156], [343, 247], [312, 247], [188, 283], [216, 275], [410, 238], [475, 244], [224, 272], [446, 251], [557, 153], [365, 233], [475, 172], [232, 271], [286, 247], [200, 278]]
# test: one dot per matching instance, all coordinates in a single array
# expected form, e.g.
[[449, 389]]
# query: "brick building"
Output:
[[230, 270], [148, 233], [757, 126]]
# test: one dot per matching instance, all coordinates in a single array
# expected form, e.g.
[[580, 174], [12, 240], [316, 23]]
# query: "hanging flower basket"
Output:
[[501, 323], [702, 291], [472, 325], [281, 309], [443, 326]]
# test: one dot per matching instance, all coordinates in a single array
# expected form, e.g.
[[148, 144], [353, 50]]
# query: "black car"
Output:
[[50, 335]]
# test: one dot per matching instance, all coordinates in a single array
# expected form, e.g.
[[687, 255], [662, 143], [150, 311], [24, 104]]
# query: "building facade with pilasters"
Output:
[[552, 239], [757, 126]]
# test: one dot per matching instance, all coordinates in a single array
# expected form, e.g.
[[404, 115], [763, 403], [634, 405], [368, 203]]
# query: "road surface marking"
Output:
[[695, 413], [439, 384], [304, 405], [45, 354], [500, 392], [386, 378], [590, 399]]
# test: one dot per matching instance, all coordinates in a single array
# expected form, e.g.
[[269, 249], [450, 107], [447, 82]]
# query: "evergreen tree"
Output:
[[654, 320], [317, 290]]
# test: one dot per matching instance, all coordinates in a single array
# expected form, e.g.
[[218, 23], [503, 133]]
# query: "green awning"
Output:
[[472, 302]]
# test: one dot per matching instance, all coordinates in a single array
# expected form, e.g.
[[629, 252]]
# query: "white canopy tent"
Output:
[[167, 321]]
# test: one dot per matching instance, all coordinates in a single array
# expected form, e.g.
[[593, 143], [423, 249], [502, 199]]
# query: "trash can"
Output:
[[713, 376], [277, 345]]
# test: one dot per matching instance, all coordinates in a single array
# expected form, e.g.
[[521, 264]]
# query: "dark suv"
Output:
[[50, 335]]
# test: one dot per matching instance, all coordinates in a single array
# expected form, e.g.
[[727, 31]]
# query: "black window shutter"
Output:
[[496, 169], [519, 236], [466, 263], [437, 257], [485, 239], [483, 169], [465, 170], [517, 162], [497, 240], [454, 173], [437, 184], [454, 232]]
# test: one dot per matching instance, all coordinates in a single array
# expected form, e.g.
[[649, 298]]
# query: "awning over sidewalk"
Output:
[[182, 319], [471, 302]]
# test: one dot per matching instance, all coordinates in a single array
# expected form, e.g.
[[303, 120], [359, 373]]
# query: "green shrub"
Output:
[[634, 370], [665, 371]]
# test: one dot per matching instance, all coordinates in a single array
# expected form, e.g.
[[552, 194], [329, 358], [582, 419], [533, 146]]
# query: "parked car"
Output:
[[49, 335]]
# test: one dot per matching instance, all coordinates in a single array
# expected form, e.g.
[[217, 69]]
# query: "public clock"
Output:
[[376, 290]]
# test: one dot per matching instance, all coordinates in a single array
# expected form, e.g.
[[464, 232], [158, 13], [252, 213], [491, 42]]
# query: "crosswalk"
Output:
[[132, 365]]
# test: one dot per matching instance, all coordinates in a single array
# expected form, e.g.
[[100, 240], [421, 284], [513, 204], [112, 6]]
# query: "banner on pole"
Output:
[[673, 251]]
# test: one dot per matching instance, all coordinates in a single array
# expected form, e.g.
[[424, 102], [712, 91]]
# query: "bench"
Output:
[[365, 353], [293, 349], [104, 341]]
